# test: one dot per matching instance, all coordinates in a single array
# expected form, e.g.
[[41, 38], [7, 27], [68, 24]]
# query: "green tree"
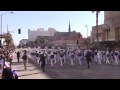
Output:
[[40, 41]]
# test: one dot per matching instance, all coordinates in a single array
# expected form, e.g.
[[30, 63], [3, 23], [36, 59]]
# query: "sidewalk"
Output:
[[32, 71]]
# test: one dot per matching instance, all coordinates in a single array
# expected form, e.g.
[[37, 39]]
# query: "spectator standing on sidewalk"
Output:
[[18, 56], [42, 58], [88, 58], [24, 57], [7, 74], [10, 58]]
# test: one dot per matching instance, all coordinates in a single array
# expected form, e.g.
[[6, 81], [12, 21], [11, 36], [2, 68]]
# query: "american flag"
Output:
[[7, 65]]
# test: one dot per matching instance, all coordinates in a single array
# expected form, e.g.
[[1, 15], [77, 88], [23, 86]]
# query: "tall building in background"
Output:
[[112, 37], [33, 34]]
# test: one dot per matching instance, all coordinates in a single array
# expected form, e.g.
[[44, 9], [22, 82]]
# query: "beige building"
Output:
[[111, 21], [33, 34]]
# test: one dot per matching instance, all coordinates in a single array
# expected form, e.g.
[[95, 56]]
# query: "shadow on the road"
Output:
[[16, 63], [20, 70], [51, 74], [25, 70], [28, 74], [22, 66]]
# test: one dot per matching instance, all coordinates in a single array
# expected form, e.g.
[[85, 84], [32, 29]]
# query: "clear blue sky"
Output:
[[44, 19]]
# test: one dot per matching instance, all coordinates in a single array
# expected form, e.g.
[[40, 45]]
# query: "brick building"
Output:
[[53, 37]]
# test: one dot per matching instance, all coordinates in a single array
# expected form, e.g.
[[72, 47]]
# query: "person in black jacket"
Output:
[[24, 57], [42, 58], [7, 74], [88, 58], [18, 56]]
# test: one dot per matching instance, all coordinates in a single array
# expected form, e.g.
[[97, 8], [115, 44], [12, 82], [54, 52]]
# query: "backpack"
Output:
[[37, 55], [108, 55], [104, 53], [52, 56], [24, 57], [72, 56], [116, 53], [79, 54], [61, 55], [95, 53], [112, 54]]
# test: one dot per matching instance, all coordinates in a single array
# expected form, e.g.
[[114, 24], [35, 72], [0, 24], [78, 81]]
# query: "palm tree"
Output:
[[97, 12]]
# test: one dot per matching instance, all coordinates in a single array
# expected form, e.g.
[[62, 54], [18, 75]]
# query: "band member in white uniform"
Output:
[[104, 57], [51, 58], [112, 56], [55, 56], [107, 58], [96, 57], [46, 57], [79, 57], [116, 57], [99, 55], [72, 58], [61, 58]]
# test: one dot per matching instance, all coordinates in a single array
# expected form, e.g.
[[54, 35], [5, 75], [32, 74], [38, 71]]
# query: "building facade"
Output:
[[112, 37], [53, 37], [33, 34], [23, 42]]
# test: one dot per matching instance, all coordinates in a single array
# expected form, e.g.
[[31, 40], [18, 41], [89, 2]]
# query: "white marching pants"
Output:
[[71, 60], [96, 59], [46, 60], [107, 60], [51, 61], [55, 59], [58, 58], [61, 61], [38, 60], [99, 60], [64, 58], [79, 59], [116, 60]]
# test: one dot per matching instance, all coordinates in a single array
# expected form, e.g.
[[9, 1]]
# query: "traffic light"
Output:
[[19, 31]]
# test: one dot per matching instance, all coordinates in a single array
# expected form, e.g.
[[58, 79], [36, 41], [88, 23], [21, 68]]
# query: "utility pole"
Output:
[[7, 38]]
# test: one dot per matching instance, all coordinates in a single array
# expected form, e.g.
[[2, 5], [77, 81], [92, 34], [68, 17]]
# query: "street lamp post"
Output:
[[87, 30], [87, 36], [1, 23]]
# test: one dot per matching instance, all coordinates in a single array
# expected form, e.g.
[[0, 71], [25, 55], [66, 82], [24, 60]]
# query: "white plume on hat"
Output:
[[42, 52]]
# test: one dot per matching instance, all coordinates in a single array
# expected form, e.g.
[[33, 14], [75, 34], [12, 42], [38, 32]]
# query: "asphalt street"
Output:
[[67, 71]]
